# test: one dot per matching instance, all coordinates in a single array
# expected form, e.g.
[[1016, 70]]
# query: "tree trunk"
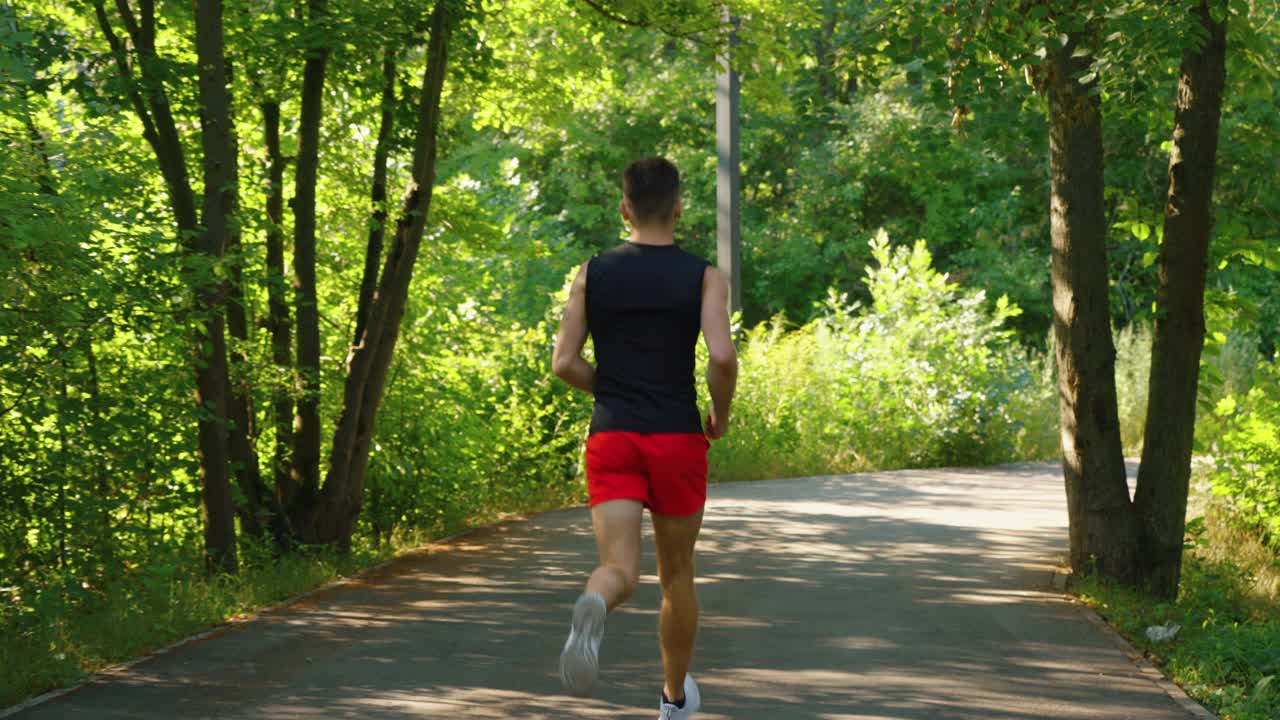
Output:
[[255, 513], [209, 356], [105, 547], [822, 51], [278, 307], [306, 426], [60, 411], [219, 203], [1102, 524], [369, 363], [1164, 476], [378, 221], [158, 125]]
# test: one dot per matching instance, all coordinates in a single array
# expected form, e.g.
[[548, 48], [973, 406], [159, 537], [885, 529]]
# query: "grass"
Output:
[[71, 630], [1227, 654]]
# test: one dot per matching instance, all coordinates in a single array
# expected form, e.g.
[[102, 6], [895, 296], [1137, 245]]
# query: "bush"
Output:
[[474, 426], [1247, 458], [922, 377], [1037, 407]]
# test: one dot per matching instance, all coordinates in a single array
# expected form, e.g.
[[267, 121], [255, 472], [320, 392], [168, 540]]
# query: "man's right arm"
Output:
[[722, 363], [566, 359]]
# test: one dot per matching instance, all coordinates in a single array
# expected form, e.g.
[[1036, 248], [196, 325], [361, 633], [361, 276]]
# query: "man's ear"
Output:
[[626, 212], [679, 208]]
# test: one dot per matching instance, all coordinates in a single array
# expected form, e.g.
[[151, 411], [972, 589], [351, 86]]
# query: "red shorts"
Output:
[[665, 471]]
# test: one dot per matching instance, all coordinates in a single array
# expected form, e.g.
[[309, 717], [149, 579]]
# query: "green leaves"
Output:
[[1247, 461], [922, 376], [846, 131]]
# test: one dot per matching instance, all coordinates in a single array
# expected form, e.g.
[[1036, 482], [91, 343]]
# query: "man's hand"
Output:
[[716, 428], [722, 357]]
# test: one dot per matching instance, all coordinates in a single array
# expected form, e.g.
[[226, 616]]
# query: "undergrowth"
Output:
[[78, 628], [1227, 653]]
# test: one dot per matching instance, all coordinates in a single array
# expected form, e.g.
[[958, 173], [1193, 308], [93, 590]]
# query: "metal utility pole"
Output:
[[729, 174]]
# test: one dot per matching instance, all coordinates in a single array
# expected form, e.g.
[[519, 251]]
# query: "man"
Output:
[[643, 303]]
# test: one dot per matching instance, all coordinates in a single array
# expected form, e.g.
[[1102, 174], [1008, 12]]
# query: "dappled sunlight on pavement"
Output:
[[911, 595]]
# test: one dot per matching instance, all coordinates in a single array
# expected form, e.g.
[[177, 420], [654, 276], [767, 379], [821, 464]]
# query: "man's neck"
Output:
[[652, 236]]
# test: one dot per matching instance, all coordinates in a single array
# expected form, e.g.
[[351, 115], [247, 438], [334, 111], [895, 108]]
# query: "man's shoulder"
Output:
[[627, 252], [692, 256], [696, 263]]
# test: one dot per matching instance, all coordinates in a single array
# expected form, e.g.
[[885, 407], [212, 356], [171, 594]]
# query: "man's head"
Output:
[[651, 193]]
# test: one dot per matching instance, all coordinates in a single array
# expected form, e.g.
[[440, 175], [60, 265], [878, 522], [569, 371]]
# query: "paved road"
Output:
[[907, 595]]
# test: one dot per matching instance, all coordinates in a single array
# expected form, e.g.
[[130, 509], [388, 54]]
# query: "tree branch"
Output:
[[130, 23], [600, 8], [126, 73], [148, 27], [16, 403], [622, 19], [163, 137]]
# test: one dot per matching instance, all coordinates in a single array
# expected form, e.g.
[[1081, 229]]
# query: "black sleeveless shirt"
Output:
[[644, 312]]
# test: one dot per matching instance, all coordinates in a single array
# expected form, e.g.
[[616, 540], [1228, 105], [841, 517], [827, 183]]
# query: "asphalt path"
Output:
[[905, 595]]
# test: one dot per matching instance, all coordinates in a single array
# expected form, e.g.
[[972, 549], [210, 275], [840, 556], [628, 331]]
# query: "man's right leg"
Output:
[[675, 536]]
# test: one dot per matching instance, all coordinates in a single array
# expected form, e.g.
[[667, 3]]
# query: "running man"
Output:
[[643, 304]]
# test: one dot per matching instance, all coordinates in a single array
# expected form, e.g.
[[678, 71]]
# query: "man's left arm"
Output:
[[566, 360]]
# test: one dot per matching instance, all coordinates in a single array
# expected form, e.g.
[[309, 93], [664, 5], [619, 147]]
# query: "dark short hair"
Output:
[[651, 187]]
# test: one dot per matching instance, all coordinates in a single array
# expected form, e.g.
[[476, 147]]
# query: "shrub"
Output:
[[1247, 458], [1037, 406], [922, 377], [474, 425]]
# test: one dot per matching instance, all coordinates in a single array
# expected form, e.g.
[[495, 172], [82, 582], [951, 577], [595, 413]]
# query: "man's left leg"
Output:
[[617, 529]]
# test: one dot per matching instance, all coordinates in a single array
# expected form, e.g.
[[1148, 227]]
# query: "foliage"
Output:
[[1225, 654], [850, 125], [1247, 473], [54, 634], [921, 377], [474, 426]]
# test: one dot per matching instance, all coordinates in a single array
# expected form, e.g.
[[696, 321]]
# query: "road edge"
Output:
[[1145, 667], [120, 668]]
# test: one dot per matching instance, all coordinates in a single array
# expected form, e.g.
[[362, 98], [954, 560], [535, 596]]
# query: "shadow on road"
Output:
[[894, 595]]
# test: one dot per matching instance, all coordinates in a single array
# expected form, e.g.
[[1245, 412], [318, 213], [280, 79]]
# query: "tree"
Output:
[[331, 517], [305, 465], [220, 173], [1138, 541], [203, 246], [1067, 49], [282, 405], [378, 194], [1164, 475], [1092, 460]]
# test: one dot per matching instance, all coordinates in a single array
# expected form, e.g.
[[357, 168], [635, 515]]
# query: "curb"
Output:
[[1060, 581], [117, 669]]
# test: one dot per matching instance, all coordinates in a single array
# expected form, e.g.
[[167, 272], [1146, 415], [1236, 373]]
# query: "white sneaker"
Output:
[[580, 659], [692, 701]]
